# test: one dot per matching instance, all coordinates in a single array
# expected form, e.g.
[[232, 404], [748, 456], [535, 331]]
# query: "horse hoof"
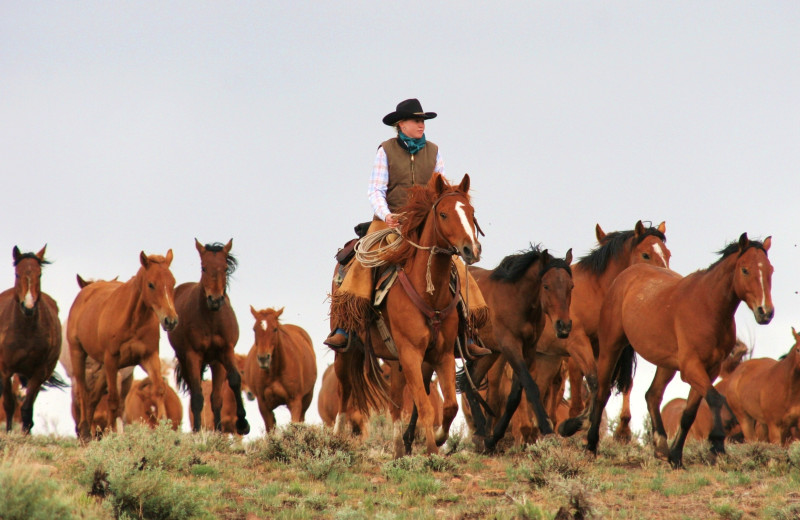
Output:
[[569, 427], [242, 427], [676, 461]]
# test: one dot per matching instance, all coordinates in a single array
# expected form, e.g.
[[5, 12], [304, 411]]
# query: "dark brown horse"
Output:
[[228, 411], [281, 367], [681, 323], [764, 394], [207, 334], [520, 292], [117, 325], [420, 314], [30, 335]]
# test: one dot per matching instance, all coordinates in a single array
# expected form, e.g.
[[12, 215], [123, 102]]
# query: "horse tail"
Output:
[[622, 379], [180, 379], [367, 386], [54, 381]]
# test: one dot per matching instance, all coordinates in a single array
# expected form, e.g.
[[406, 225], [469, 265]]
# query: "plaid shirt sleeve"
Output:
[[378, 183]]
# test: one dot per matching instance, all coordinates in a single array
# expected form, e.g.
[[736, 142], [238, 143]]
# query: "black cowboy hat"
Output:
[[408, 109]]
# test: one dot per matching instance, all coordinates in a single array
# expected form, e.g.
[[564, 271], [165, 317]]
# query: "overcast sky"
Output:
[[130, 126]]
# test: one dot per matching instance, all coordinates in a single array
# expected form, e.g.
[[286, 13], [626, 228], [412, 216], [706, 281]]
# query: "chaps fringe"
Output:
[[350, 312], [479, 317]]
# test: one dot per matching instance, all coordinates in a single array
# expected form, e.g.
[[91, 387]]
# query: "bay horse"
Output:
[[764, 395], [281, 367], [207, 334], [681, 324], [116, 324], [592, 275], [420, 312], [30, 335], [521, 291]]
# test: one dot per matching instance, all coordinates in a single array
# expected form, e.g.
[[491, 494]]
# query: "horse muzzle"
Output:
[[563, 328], [168, 323], [264, 362], [28, 309], [214, 303], [471, 253], [764, 314]]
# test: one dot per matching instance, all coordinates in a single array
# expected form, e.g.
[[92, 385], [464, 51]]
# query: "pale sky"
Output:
[[130, 126]]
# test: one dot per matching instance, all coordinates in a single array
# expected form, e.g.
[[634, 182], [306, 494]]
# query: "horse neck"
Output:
[[715, 285], [613, 268], [417, 265], [278, 352], [136, 311]]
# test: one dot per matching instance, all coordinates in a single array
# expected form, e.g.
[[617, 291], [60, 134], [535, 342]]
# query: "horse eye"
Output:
[[546, 287], [646, 256], [745, 271], [203, 269], [151, 285], [275, 329], [443, 214]]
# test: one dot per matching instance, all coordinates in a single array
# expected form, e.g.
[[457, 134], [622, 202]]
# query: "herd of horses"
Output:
[[550, 320]]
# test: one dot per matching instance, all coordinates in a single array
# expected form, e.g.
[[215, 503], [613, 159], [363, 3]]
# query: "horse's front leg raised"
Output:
[[235, 382]]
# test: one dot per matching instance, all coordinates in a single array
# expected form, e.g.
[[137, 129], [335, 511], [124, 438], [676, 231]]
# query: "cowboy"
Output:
[[401, 162]]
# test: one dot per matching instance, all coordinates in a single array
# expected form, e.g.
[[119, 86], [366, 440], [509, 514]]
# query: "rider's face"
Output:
[[413, 128]]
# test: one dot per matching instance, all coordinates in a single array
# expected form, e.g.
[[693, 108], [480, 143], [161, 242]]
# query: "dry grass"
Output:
[[306, 472]]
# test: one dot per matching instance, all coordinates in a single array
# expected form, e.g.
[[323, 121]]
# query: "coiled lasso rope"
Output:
[[371, 248]]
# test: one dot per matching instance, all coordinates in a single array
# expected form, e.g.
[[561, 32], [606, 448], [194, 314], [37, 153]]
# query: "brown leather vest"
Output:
[[406, 170]]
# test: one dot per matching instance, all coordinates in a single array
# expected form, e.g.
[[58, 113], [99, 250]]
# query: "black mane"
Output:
[[513, 267], [23, 256], [230, 260], [598, 258], [733, 247]]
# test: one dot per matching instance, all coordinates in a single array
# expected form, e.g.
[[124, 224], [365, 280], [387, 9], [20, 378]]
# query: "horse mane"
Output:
[[230, 260], [421, 198], [598, 258], [732, 248], [513, 267], [23, 256]]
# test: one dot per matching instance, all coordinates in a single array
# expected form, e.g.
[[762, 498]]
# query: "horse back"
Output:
[[755, 388], [84, 316], [300, 350]]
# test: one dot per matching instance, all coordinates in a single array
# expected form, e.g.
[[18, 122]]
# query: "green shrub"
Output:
[[312, 449], [550, 457], [28, 495]]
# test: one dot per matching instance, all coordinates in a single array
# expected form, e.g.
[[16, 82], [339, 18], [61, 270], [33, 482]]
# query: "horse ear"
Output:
[[794, 333], [254, 312], [200, 247], [81, 282], [662, 228], [40, 254], [568, 258], [438, 183], [228, 246], [169, 257], [599, 233], [638, 229], [545, 256], [767, 243], [743, 241], [16, 254], [279, 312], [143, 259], [464, 186]]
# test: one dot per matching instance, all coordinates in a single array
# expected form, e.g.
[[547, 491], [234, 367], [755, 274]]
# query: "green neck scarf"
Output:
[[412, 145]]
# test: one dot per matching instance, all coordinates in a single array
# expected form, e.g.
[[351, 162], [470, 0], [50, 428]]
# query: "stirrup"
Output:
[[336, 346]]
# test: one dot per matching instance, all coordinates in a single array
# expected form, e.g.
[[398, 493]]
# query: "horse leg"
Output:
[[694, 373], [218, 372], [446, 377], [654, 396], [26, 410], [345, 389], [78, 358], [521, 371], [110, 366], [477, 372], [235, 383], [191, 373], [411, 363], [10, 402], [265, 406], [623, 433], [607, 363], [575, 388], [512, 402], [687, 419]]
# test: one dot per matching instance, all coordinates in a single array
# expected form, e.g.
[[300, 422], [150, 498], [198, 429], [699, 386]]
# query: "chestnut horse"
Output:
[[281, 367], [419, 312], [680, 323], [117, 324], [765, 394], [207, 335], [521, 291], [30, 335], [592, 275], [141, 405]]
